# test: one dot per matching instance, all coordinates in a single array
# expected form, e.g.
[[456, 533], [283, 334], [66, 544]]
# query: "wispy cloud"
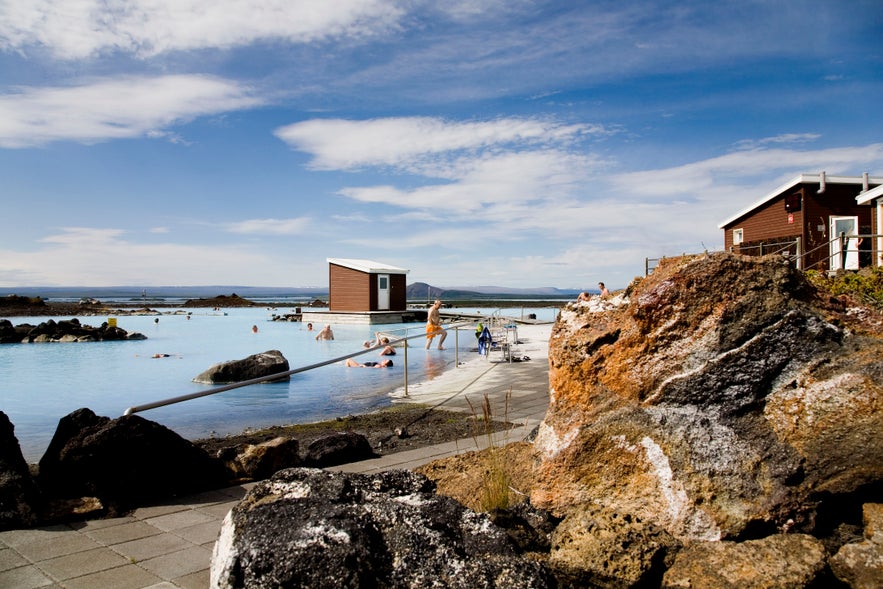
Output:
[[705, 179], [295, 226], [784, 139], [87, 28], [461, 167], [338, 144], [116, 108]]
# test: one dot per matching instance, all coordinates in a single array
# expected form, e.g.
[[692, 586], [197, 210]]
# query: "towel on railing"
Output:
[[485, 341]]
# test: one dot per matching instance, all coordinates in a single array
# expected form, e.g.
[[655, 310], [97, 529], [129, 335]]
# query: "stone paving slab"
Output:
[[169, 546]]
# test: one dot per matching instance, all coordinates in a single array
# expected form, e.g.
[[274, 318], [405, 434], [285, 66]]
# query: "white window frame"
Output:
[[738, 236]]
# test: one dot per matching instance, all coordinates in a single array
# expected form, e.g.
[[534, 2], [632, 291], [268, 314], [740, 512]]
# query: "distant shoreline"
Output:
[[61, 309]]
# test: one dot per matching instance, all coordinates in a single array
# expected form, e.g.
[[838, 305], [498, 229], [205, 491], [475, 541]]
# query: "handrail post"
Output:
[[457, 347], [406, 368]]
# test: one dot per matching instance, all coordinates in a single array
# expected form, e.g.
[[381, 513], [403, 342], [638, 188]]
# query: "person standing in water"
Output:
[[433, 326], [326, 333]]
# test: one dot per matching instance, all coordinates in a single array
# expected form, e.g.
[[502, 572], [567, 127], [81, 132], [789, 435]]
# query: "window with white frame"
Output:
[[737, 236]]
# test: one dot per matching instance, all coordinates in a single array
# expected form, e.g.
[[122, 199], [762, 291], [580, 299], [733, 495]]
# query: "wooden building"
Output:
[[365, 286], [874, 198], [815, 218]]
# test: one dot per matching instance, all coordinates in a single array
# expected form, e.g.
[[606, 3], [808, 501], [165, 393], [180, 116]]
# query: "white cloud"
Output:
[[77, 29], [786, 138], [114, 108], [338, 144], [753, 168], [505, 178], [270, 226]]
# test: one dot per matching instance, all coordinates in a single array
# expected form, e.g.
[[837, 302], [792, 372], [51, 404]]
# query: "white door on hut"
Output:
[[383, 292], [844, 243]]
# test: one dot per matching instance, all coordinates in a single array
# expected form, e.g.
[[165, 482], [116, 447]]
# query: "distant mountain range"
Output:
[[422, 291], [417, 291]]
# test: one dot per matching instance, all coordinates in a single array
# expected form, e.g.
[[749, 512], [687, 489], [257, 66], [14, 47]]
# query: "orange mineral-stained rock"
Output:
[[719, 393]]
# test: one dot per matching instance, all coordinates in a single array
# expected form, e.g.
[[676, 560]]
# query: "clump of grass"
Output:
[[496, 480], [866, 285]]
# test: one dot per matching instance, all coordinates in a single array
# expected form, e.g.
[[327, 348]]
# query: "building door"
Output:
[[383, 292], [843, 244]]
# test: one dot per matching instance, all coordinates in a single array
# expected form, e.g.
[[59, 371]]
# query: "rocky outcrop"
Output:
[[720, 397], [340, 448], [783, 561], [65, 331], [860, 564], [594, 546], [221, 301], [259, 461], [18, 493], [124, 462], [255, 366], [314, 528]]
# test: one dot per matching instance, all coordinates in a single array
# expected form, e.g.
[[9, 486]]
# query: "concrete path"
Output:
[[169, 546]]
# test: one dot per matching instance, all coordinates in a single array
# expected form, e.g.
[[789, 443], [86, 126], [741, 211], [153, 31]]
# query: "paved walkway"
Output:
[[169, 546]]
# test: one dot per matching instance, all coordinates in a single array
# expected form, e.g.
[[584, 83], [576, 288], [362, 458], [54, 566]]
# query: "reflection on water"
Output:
[[434, 365]]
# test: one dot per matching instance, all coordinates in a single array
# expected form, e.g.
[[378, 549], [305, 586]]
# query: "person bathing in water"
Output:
[[386, 363], [387, 349]]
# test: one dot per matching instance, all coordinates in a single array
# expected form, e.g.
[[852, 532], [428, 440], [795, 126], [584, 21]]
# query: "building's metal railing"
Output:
[[769, 248], [838, 258], [845, 245], [280, 375]]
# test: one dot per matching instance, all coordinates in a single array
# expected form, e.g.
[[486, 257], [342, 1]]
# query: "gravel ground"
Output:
[[395, 429]]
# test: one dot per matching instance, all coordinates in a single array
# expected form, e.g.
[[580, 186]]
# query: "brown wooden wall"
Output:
[[356, 291], [349, 290]]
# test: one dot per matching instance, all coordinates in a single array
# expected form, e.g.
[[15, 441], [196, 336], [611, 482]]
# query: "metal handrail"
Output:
[[776, 247], [287, 373], [844, 249]]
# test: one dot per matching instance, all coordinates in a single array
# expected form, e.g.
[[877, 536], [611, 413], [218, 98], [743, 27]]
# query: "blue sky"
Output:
[[487, 142]]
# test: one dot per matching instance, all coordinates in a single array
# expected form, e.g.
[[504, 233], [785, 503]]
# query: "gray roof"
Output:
[[368, 266], [802, 179]]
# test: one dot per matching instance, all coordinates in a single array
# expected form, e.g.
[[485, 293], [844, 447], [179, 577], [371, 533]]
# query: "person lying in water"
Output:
[[387, 363]]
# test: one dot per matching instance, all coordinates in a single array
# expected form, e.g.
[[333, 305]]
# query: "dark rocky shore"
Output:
[[19, 306]]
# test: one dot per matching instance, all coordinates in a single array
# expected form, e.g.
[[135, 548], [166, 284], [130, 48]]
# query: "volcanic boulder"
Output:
[[720, 397], [125, 462], [320, 529], [255, 366], [18, 493]]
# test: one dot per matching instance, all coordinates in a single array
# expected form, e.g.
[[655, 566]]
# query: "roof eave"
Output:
[[869, 195], [801, 179], [368, 266]]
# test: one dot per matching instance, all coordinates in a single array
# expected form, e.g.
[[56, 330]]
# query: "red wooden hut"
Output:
[[819, 220], [365, 286]]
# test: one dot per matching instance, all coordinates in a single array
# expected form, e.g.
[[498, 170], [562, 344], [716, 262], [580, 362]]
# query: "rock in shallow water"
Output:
[[255, 366]]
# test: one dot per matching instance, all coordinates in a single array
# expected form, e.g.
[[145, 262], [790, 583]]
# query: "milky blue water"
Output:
[[41, 383]]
